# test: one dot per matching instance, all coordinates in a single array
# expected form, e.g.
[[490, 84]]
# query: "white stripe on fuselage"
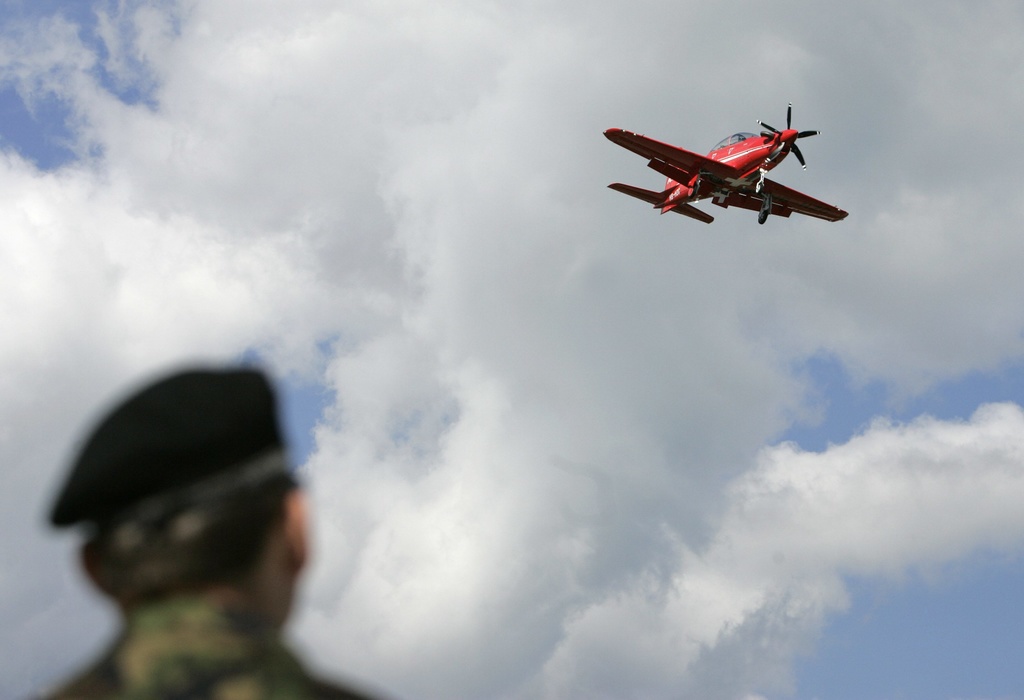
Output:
[[734, 156]]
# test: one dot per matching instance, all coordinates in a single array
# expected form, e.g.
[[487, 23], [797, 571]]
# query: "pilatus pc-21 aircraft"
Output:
[[732, 174]]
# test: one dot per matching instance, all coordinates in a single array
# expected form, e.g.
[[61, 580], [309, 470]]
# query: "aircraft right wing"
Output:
[[785, 201], [802, 203], [687, 162]]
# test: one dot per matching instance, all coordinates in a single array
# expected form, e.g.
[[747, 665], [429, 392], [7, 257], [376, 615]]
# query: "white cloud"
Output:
[[893, 500], [546, 473], [477, 563]]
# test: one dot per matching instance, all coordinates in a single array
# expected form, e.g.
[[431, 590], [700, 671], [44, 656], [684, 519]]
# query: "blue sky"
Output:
[[955, 635], [38, 134], [547, 398], [919, 639]]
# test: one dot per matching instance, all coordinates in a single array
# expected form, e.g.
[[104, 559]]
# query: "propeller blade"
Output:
[[799, 155], [789, 116], [769, 127], [805, 134]]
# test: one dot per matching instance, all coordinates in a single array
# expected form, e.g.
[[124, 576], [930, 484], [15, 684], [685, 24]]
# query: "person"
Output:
[[197, 531]]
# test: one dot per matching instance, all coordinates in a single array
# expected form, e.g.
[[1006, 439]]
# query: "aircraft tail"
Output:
[[692, 212], [658, 199], [649, 196]]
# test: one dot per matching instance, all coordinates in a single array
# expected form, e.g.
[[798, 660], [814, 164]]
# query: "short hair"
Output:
[[215, 542]]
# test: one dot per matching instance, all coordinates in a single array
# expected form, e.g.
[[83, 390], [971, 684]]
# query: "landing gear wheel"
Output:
[[766, 209]]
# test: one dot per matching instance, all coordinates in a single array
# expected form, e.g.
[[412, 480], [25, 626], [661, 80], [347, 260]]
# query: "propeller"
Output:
[[799, 155], [772, 131]]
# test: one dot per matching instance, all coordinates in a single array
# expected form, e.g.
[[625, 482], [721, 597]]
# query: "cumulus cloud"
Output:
[[479, 565], [896, 499], [548, 470]]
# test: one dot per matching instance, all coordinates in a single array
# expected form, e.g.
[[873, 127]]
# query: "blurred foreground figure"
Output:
[[198, 534]]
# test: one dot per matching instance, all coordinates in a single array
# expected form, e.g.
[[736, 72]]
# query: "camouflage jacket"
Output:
[[188, 649]]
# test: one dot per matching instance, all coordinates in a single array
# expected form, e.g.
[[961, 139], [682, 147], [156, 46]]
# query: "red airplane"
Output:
[[732, 174]]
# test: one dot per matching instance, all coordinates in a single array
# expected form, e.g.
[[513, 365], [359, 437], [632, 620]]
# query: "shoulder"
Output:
[[96, 685], [90, 684], [321, 690], [98, 680], [183, 649]]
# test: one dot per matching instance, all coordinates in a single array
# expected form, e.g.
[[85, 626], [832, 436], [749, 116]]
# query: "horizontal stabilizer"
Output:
[[658, 200], [649, 196], [694, 213]]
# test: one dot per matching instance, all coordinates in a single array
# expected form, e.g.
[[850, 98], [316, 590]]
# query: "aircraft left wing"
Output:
[[785, 201], [686, 162]]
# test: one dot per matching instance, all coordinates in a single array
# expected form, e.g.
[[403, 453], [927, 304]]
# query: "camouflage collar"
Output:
[[196, 613]]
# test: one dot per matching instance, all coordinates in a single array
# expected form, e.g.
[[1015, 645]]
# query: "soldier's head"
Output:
[[185, 487]]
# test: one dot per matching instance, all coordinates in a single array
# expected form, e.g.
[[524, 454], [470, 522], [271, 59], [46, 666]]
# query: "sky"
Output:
[[558, 446]]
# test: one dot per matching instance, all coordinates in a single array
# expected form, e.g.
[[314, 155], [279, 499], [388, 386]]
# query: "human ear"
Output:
[[89, 557], [296, 530]]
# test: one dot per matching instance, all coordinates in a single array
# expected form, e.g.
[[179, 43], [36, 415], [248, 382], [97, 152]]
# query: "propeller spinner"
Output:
[[788, 135]]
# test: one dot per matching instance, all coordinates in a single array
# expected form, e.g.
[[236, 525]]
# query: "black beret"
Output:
[[176, 432]]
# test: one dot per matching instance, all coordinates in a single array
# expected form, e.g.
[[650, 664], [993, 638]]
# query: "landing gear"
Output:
[[766, 208], [760, 181]]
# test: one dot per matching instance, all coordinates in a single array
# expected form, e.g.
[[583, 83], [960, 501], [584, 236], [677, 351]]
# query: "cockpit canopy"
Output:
[[735, 138]]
